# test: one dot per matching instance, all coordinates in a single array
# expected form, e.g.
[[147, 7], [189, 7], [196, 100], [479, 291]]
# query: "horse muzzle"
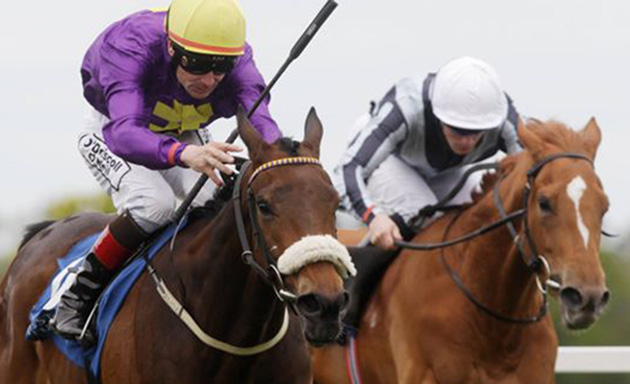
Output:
[[581, 307], [322, 316]]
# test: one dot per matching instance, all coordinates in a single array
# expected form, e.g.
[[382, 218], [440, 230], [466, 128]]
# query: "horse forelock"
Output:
[[289, 146]]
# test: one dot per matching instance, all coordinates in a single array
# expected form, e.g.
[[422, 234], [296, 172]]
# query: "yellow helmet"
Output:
[[207, 27]]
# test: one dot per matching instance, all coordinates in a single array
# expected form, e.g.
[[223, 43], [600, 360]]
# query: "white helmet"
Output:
[[467, 94]]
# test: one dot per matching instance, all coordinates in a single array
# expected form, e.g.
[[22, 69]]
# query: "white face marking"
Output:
[[575, 190]]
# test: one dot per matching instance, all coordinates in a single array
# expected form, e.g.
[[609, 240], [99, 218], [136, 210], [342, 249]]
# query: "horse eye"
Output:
[[544, 204], [264, 207]]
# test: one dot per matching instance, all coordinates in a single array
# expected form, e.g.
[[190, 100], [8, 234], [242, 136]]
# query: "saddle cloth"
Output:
[[109, 303]]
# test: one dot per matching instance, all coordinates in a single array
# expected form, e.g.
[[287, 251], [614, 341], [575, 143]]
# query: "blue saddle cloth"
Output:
[[110, 301]]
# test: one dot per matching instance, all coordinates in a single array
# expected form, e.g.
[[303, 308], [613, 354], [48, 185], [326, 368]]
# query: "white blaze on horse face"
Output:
[[575, 190]]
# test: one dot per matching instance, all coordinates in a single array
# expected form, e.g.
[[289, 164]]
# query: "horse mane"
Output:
[[490, 179], [213, 206], [556, 135], [34, 229]]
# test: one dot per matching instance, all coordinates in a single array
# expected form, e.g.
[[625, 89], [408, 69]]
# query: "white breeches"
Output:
[[395, 187], [151, 196]]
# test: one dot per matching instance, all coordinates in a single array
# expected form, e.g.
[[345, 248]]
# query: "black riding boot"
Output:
[[116, 244], [77, 302], [371, 263]]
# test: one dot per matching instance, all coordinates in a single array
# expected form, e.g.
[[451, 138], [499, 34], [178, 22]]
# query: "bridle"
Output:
[[270, 273], [533, 260]]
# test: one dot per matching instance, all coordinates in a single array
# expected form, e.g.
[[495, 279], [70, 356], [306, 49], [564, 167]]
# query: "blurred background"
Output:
[[562, 59]]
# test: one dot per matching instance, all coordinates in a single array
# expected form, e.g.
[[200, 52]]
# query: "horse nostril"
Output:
[[345, 301], [309, 304], [605, 298], [571, 297]]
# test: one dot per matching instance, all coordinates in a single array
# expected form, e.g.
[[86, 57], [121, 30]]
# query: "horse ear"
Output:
[[592, 136], [313, 132], [250, 136], [530, 140]]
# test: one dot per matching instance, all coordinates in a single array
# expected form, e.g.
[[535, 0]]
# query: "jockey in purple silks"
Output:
[[155, 80]]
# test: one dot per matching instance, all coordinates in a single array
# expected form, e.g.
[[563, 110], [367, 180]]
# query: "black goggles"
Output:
[[465, 132], [198, 64]]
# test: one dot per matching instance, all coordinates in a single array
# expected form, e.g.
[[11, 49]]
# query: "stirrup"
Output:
[[86, 337]]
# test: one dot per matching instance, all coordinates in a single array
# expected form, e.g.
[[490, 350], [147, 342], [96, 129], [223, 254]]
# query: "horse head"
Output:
[[566, 205], [291, 204]]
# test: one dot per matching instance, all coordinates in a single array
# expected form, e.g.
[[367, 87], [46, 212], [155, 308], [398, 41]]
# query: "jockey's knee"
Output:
[[153, 212]]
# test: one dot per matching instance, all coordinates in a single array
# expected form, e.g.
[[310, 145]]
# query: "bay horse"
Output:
[[285, 203], [474, 312]]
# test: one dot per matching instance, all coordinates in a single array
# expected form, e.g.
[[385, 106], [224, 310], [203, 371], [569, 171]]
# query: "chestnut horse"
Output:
[[283, 207], [474, 312]]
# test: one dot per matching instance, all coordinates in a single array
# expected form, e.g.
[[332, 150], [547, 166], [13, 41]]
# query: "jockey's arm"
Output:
[[374, 143], [128, 135], [131, 139]]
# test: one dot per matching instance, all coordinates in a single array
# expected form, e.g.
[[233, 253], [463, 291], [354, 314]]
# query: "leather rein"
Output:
[[271, 274], [534, 261]]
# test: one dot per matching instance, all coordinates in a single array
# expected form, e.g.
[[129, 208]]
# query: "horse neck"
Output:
[[491, 263], [227, 297]]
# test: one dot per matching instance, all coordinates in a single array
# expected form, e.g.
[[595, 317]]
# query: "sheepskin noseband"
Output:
[[311, 249]]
